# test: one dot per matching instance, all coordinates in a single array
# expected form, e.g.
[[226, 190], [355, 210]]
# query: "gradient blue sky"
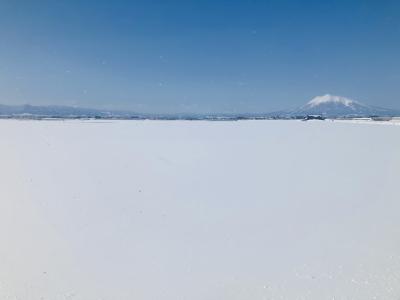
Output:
[[198, 56]]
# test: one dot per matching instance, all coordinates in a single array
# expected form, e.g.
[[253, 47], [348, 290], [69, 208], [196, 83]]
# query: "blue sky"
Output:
[[198, 56]]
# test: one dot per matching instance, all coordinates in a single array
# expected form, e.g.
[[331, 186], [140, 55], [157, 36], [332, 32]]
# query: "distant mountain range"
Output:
[[328, 106], [59, 112]]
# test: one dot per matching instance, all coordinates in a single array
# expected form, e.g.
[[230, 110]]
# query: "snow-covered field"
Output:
[[393, 122], [155, 210]]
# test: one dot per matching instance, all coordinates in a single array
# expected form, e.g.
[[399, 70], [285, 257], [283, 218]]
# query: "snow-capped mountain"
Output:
[[336, 106]]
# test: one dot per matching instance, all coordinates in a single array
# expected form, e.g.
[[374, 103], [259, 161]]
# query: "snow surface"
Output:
[[199, 210]]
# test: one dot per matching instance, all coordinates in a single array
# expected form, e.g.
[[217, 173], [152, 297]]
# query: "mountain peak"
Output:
[[336, 106], [329, 99]]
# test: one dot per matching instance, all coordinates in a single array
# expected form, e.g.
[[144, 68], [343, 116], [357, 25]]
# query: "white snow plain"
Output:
[[199, 210]]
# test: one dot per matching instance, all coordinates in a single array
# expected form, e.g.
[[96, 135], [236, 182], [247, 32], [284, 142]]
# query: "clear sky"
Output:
[[198, 56]]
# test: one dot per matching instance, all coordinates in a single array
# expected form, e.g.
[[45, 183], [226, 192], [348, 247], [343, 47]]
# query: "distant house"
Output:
[[314, 117]]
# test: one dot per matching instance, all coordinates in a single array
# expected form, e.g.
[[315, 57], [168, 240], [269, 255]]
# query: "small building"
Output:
[[314, 117]]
